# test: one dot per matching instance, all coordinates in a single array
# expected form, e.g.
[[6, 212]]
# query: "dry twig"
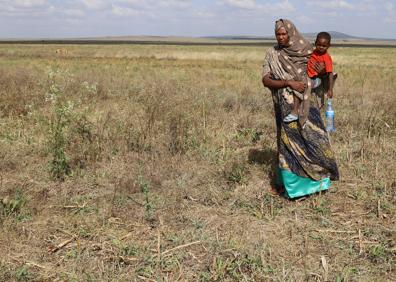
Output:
[[127, 260], [180, 247], [62, 245], [360, 242], [126, 236], [325, 267], [29, 263], [146, 279], [334, 231], [75, 207]]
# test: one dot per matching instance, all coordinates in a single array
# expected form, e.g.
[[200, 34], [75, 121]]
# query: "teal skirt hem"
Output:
[[297, 186]]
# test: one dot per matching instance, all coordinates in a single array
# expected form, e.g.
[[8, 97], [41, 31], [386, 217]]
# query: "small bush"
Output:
[[14, 206], [179, 134], [148, 204], [61, 112], [230, 103], [23, 274], [236, 172]]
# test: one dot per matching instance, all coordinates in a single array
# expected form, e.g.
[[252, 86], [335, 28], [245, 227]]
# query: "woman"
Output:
[[306, 161]]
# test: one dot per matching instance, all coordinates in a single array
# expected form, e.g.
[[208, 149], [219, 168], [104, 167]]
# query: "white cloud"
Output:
[[243, 4], [390, 20], [276, 8], [124, 11], [390, 17], [95, 4], [131, 2], [154, 4], [22, 4], [389, 6], [305, 19], [153, 9], [367, 6], [283, 7], [174, 3], [28, 3], [332, 4], [74, 13], [205, 14], [25, 8]]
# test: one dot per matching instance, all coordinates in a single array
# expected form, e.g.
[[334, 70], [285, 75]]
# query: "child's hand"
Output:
[[329, 94], [319, 67]]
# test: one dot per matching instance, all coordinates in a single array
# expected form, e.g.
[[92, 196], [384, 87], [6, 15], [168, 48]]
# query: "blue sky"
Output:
[[85, 18]]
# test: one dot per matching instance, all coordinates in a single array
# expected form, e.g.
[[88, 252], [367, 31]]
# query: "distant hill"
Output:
[[238, 37], [336, 35]]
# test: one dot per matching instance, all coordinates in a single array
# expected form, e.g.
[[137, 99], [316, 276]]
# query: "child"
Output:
[[319, 55]]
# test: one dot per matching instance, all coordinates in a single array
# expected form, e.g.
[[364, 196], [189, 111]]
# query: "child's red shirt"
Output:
[[316, 57]]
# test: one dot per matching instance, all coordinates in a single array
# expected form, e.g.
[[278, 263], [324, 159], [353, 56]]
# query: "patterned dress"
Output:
[[306, 160]]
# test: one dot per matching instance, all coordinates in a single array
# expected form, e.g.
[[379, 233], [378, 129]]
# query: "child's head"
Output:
[[322, 42]]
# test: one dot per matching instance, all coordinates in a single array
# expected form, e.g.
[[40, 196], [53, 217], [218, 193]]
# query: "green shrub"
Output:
[[61, 112]]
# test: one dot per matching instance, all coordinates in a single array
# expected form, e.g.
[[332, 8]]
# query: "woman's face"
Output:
[[282, 37]]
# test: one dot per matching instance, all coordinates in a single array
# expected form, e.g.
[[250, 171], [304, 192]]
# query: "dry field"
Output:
[[154, 163]]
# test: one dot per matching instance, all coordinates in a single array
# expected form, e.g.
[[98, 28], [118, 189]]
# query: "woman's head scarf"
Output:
[[293, 59]]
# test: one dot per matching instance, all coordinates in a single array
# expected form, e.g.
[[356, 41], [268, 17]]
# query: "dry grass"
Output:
[[169, 153]]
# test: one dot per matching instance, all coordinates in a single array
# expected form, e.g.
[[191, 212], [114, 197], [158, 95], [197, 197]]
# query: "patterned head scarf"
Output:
[[293, 59]]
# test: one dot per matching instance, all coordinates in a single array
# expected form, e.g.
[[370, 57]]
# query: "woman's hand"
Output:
[[278, 84], [296, 85], [319, 67]]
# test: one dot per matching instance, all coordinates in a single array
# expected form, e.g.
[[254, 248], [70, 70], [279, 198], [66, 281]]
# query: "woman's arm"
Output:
[[277, 84]]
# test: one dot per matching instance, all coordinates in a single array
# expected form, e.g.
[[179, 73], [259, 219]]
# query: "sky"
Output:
[[93, 18]]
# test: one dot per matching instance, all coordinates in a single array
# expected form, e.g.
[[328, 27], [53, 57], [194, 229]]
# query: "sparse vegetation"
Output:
[[166, 157], [13, 207], [61, 110]]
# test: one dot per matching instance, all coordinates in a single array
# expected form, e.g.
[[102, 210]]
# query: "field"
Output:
[[155, 163]]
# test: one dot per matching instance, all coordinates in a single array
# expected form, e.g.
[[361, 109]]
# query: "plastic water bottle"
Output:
[[329, 114]]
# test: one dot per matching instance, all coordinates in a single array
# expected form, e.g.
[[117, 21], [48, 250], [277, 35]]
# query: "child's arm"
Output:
[[319, 67], [331, 84]]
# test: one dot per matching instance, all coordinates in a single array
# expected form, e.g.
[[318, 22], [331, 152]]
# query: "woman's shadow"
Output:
[[269, 158]]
